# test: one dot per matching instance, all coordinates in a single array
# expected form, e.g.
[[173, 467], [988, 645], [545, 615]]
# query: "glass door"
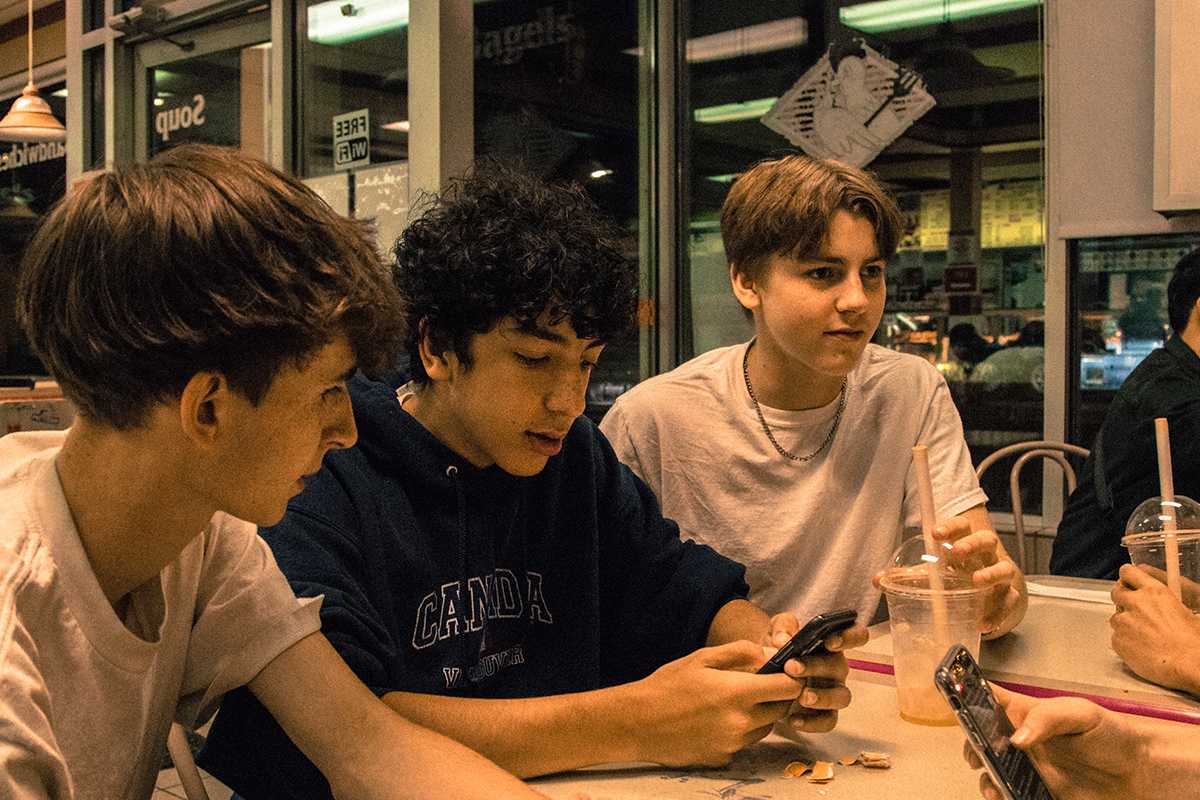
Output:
[[209, 84]]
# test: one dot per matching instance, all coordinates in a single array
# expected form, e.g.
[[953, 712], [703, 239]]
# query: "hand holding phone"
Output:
[[987, 727], [810, 637]]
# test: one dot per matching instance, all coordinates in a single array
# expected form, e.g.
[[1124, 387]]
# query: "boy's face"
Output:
[[271, 448], [818, 314], [515, 403]]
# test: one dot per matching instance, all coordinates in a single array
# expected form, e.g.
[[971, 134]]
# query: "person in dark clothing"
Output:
[[1153, 632], [489, 567], [968, 346], [1121, 471]]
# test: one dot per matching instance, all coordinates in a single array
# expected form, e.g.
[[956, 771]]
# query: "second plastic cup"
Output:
[[925, 622], [1150, 549]]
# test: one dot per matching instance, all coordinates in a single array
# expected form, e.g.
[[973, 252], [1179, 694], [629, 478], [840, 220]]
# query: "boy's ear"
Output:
[[202, 404], [744, 288], [437, 365]]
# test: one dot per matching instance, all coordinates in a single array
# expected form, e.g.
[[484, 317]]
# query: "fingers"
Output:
[[1059, 716], [818, 665], [848, 639]]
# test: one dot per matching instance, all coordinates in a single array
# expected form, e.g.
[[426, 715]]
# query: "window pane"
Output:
[[556, 88]]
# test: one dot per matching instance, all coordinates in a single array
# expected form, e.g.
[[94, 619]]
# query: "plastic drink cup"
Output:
[[1150, 549], [925, 623]]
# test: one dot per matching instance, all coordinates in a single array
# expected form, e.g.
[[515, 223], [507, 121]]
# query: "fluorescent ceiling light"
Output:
[[401, 125], [340, 21], [781, 33], [751, 109], [790, 32], [890, 15]]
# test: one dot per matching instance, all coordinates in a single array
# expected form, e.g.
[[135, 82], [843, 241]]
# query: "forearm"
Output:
[[738, 620], [362, 747], [535, 735], [1170, 758]]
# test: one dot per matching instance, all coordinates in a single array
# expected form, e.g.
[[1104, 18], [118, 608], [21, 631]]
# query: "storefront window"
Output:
[[556, 90], [1121, 299]]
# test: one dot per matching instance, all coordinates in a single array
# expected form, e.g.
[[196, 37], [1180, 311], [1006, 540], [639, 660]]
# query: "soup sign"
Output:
[[172, 119]]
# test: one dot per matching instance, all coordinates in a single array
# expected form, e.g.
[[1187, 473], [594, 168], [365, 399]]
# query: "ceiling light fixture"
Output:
[[731, 112], [890, 15], [30, 118], [762, 38], [341, 21]]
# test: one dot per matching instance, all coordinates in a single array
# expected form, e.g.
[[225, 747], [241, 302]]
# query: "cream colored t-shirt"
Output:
[[811, 534], [87, 699]]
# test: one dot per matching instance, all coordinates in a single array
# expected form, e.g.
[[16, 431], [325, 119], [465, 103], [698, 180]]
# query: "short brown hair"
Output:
[[201, 259], [785, 205]]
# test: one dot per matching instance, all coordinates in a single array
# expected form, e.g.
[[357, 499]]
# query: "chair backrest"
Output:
[[185, 765], [1056, 452]]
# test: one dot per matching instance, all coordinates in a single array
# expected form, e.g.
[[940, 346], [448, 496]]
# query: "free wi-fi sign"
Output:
[[352, 140]]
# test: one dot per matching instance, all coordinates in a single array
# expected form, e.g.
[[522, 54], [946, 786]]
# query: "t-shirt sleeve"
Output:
[[955, 485], [246, 614], [660, 593], [626, 430]]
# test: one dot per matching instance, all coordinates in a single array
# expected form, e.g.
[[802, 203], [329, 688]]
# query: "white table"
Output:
[[1061, 647]]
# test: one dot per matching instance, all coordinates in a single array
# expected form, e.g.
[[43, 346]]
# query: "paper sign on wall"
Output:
[[352, 140], [849, 105]]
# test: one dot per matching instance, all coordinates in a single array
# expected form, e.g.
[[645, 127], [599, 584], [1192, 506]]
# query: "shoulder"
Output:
[[693, 385], [889, 370]]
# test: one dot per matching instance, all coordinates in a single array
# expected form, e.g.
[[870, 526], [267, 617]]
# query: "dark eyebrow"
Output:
[[550, 336]]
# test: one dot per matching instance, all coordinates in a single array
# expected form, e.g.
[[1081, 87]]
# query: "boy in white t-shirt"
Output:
[[792, 453], [203, 313]]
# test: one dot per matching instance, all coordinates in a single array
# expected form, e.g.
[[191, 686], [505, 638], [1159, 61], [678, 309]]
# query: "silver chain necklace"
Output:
[[836, 417]]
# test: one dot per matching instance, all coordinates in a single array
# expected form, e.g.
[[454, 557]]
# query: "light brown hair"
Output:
[[784, 207]]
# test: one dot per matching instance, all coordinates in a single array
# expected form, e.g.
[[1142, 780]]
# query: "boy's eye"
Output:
[[821, 273], [873, 270], [531, 360], [333, 391]]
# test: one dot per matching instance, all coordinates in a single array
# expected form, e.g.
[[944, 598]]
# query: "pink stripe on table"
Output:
[[1113, 704]]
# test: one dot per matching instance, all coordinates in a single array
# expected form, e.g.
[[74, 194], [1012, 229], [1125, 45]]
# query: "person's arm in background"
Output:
[[1155, 634], [362, 747], [1085, 752]]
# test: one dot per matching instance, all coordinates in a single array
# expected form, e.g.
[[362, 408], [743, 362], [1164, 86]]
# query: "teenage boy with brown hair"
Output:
[[203, 312], [792, 453]]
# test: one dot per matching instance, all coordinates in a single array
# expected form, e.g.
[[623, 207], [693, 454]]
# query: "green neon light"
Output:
[[751, 109], [328, 23], [890, 15]]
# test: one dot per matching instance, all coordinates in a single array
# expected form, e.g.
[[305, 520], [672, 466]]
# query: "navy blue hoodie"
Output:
[[443, 578]]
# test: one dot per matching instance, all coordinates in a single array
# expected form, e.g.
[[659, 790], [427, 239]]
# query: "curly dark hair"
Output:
[[201, 259], [501, 243]]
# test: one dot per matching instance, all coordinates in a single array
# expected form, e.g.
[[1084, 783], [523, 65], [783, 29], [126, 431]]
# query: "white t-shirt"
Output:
[[87, 699], [811, 534]]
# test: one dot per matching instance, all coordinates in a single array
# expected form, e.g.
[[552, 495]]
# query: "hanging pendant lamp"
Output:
[[30, 118]]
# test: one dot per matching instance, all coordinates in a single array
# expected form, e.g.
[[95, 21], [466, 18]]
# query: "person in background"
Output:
[[1085, 752], [968, 346], [203, 313], [792, 453], [1120, 471], [489, 567]]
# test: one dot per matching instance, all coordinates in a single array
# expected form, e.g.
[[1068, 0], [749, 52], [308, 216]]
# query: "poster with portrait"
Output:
[[850, 105]]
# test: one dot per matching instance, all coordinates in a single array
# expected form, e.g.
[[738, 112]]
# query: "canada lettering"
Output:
[[448, 612], [172, 119]]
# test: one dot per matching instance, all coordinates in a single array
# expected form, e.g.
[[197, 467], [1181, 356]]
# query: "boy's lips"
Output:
[[546, 444]]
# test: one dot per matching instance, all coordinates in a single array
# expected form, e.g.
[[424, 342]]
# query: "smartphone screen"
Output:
[[810, 637], [988, 728]]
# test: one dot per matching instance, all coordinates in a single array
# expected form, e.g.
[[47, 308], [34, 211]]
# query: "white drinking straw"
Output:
[[1166, 483], [928, 523]]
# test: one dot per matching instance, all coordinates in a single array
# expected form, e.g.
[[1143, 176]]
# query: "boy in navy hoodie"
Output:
[[489, 567]]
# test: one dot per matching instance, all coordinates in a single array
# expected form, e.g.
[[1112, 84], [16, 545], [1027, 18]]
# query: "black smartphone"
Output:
[[810, 637], [988, 727]]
